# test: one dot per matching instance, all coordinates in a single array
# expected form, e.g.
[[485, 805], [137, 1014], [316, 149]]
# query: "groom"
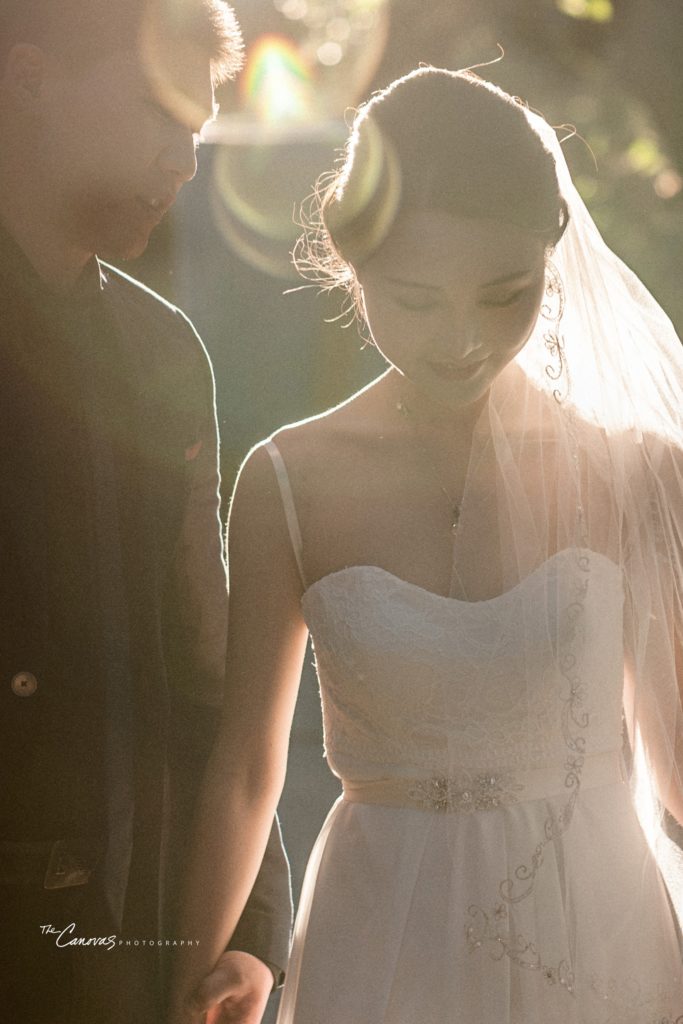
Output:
[[112, 578]]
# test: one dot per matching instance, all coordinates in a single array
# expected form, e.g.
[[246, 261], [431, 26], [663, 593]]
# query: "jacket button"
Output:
[[24, 684]]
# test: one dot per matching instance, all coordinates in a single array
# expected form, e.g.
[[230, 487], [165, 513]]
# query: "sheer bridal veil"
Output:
[[579, 456]]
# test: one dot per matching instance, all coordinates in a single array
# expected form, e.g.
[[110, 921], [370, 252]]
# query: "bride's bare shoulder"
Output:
[[316, 451], [350, 425]]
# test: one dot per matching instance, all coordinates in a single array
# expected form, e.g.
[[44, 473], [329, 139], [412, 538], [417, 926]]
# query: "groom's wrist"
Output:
[[278, 974]]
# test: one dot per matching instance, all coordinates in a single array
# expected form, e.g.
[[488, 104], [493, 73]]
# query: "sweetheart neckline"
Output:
[[456, 600]]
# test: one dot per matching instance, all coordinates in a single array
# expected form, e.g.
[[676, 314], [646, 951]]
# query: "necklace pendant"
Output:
[[455, 508]]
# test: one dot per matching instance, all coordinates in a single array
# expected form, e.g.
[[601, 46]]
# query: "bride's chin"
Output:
[[448, 402]]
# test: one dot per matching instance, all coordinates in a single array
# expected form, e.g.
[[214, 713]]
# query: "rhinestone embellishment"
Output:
[[484, 793]]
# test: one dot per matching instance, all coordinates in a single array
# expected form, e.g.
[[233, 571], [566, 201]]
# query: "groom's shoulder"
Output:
[[157, 325], [136, 297], [138, 302]]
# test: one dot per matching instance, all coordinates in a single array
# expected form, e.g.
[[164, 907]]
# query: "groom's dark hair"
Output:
[[84, 31]]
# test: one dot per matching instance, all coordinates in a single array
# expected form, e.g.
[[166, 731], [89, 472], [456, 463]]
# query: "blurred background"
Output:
[[611, 68]]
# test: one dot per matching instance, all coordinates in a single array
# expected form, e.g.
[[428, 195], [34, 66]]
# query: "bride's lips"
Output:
[[455, 371]]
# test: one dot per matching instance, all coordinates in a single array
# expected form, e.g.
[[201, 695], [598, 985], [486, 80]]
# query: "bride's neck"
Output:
[[426, 413]]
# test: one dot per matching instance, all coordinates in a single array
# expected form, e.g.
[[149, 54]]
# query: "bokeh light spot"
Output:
[[295, 10], [668, 184], [590, 10], [330, 53], [644, 157]]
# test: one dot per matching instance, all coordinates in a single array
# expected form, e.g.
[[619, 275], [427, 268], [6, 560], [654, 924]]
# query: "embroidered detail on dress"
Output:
[[574, 718], [489, 932], [485, 793]]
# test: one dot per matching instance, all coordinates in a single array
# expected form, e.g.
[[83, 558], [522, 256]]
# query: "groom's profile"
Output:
[[113, 603]]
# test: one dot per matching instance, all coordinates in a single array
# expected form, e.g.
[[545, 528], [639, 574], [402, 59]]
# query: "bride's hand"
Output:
[[235, 992]]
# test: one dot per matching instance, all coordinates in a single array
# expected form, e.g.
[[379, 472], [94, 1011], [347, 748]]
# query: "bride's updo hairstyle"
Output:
[[432, 140]]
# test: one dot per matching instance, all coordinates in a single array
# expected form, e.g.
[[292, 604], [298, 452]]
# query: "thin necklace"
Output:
[[454, 505]]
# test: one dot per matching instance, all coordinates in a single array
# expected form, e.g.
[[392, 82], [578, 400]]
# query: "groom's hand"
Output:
[[236, 991]]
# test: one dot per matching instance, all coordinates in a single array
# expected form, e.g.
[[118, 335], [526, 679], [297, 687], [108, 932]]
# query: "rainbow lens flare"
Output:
[[277, 84], [312, 62]]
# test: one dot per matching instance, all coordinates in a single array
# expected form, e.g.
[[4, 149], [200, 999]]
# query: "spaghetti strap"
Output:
[[288, 505]]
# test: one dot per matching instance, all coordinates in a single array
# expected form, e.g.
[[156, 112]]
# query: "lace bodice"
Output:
[[411, 680]]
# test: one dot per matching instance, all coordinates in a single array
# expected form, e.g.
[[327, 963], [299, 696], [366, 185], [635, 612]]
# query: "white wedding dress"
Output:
[[464, 871]]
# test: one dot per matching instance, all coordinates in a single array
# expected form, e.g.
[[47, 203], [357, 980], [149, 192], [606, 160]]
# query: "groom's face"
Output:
[[118, 141]]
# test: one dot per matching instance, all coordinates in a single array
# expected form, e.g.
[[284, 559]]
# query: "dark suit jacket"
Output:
[[134, 580]]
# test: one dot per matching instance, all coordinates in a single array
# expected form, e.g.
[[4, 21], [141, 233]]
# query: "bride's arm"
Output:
[[245, 773]]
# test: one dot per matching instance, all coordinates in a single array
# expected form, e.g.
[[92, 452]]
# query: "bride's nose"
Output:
[[460, 337]]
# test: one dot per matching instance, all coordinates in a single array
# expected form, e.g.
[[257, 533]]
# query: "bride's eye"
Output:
[[507, 300], [417, 305]]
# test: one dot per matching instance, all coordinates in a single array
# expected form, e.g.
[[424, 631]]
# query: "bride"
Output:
[[485, 545]]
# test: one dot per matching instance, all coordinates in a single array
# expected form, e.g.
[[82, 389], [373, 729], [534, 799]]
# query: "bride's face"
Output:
[[451, 300]]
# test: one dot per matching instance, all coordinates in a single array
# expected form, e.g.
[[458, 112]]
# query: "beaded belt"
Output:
[[487, 790]]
